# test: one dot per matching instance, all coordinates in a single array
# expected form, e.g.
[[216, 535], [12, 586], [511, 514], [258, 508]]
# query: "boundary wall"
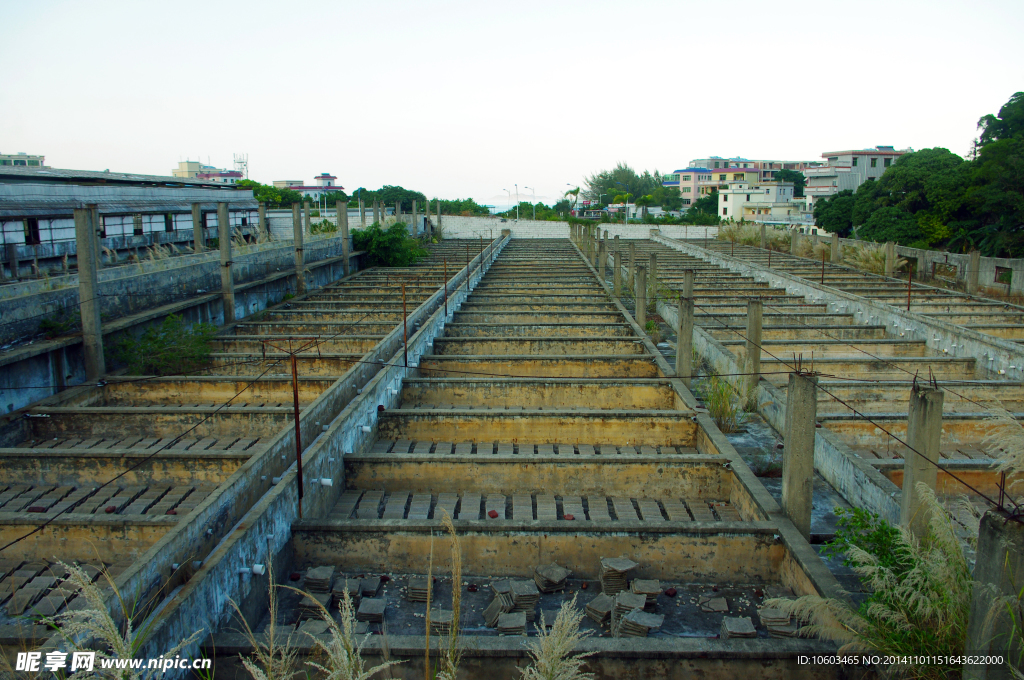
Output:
[[456, 226]]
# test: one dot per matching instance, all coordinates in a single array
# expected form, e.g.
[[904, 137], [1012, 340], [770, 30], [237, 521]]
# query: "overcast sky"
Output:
[[467, 99]]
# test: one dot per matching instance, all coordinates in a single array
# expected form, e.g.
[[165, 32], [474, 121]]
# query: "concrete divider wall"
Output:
[[456, 226], [265, 530]]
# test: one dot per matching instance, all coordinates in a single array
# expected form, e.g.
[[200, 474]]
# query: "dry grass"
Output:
[[451, 652], [809, 249], [744, 234], [1006, 436], [552, 652], [916, 607], [272, 658], [95, 629], [342, 652], [870, 258]]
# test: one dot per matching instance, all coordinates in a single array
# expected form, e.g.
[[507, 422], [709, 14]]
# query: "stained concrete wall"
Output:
[[456, 226]]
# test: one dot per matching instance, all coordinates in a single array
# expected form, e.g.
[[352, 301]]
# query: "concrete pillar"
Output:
[[764, 237], [227, 282], [617, 273], [752, 363], [376, 212], [653, 277], [973, 267], [11, 256], [640, 291], [602, 259], [342, 208], [88, 299], [97, 228], [263, 219], [362, 213], [794, 240], [398, 210], [924, 431], [439, 213], [798, 456], [414, 218], [631, 274], [198, 236], [308, 223], [684, 332], [426, 219], [998, 572], [835, 248], [890, 258], [300, 257]]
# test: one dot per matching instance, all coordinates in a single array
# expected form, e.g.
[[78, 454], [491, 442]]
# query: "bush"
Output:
[[168, 349], [391, 247], [61, 323], [323, 227]]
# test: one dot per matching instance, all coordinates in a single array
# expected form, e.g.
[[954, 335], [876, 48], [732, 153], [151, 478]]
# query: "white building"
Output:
[[197, 170], [761, 202], [847, 170], [23, 160], [324, 183]]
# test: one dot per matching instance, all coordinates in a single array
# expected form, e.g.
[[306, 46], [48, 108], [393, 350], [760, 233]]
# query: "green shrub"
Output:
[[391, 247], [60, 323], [722, 402], [168, 349], [323, 227]]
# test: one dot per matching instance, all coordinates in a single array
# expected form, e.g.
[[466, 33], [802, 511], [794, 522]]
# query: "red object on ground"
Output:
[[109, 509], [295, 576], [759, 593], [472, 588], [569, 517], [36, 508], [584, 586], [493, 514], [172, 511], [671, 592], [380, 407], [385, 579]]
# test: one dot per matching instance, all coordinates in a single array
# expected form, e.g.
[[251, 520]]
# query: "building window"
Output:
[[17, 162], [32, 231], [34, 163], [887, 162], [168, 222], [716, 164], [855, 159], [874, 162], [686, 190], [748, 198], [5, 162], [686, 178], [725, 211], [686, 201], [738, 175], [721, 178], [137, 225]]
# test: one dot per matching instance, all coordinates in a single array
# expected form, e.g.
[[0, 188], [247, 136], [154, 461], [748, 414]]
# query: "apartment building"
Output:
[[765, 167], [848, 170], [197, 170], [22, 159], [761, 202]]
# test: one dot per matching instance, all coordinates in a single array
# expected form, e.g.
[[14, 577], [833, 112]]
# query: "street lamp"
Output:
[[509, 204], [534, 193], [517, 201]]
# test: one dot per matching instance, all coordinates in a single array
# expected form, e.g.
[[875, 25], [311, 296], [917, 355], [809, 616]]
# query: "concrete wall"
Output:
[[455, 226]]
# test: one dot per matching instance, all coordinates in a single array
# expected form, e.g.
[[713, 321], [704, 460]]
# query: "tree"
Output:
[[1009, 123], [574, 196], [891, 224], [835, 213], [797, 178], [391, 247], [621, 179]]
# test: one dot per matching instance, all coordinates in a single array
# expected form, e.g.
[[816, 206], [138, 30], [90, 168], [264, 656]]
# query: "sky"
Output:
[[470, 99]]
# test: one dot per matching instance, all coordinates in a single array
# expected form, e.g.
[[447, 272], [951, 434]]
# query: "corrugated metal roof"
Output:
[[56, 175], [56, 200]]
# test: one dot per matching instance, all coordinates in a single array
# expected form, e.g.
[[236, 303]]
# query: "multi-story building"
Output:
[[765, 167], [761, 202], [325, 183], [848, 170], [197, 170], [22, 160]]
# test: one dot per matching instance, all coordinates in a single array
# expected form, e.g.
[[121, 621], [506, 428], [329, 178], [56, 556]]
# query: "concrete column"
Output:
[[617, 273], [227, 282], [198, 236], [439, 213], [398, 210], [640, 291], [835, 248], [998, 571], [97, 228], [426, 219], [764, 237], [924, 430], [890, 258], [973, 267], [263, 218], [653, 277], [684, 332], [794, 240], [752, 363], [631, 274], [602, 259], [362, 213], [376, 212], [300, 256], [798, 456], [308, 223], [342, 208], [414, 218], [88, 300]]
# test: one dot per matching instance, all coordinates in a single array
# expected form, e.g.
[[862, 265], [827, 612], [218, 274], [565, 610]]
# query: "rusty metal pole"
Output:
[[769, 257], [405, 329], [298, 429], [732, 252], [446, 287]]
